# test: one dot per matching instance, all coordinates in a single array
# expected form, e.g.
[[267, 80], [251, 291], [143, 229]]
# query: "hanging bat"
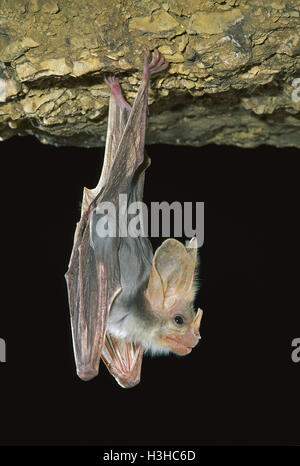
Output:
[[123, 300]]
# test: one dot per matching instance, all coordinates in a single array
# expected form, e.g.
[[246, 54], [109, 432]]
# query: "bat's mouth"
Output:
[[184, 350], [178, 347]]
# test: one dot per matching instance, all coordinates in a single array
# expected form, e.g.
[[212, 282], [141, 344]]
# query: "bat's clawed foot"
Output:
[[156, 65], [113, 83]]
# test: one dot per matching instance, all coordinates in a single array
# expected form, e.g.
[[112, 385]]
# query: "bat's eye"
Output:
[[179, 320]]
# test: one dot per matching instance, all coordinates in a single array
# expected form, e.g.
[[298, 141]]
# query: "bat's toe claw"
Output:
[[112, 81], [157, 64]]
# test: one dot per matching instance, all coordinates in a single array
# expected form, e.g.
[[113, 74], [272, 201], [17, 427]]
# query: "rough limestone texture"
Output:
[[233, 78]]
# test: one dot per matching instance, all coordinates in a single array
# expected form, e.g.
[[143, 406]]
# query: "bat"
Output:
[[124, 300]]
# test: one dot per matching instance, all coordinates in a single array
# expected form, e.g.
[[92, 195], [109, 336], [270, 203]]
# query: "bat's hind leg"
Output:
[[115, 89], [156, 65]]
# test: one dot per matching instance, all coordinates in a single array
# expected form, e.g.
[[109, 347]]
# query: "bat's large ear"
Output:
[[172, 274]]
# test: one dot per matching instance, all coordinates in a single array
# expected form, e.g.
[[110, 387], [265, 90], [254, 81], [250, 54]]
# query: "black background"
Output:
[[239, 386]]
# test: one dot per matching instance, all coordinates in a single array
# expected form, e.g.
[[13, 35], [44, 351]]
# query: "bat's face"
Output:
[[180, 334], [170, 295]]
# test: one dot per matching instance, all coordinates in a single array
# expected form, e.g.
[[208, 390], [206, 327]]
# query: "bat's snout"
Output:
[[87, 373]]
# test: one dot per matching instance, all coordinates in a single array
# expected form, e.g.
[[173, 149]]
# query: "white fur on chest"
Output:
[[126, 325]]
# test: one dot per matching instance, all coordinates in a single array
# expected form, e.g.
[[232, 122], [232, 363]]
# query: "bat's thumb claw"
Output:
[[87, 373]]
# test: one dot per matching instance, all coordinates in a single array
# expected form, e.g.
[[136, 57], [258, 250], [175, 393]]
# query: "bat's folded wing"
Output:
[[93, 277], [123, 359], [93, 284]]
